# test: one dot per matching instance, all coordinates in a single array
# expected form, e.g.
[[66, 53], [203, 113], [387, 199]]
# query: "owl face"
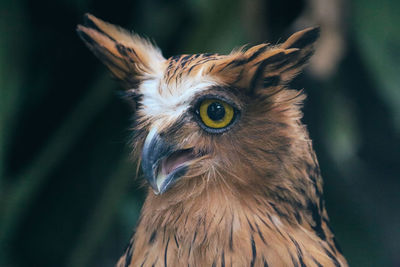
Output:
[[203, 118], [182, 121]]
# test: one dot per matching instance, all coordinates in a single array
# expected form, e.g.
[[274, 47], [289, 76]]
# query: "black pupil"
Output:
[[216, 111]]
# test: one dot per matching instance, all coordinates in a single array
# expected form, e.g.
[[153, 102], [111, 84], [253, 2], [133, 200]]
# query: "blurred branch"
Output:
[[103, 214], [28, 182], [375, 26], [331, 16], [10, 65]]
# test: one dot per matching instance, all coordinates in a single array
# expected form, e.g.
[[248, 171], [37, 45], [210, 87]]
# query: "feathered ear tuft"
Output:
[[288, 60], [130, 58], [304, 41], [268, 67]]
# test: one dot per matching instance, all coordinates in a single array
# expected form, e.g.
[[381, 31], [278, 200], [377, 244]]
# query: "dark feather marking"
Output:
[[276, 58], [164, 230], [316, 216], [214, 264], [222, 217], [321, 202], [212, 67], [165, 253], [191, 68], [334, 260], [332, 248], [276, 227], [307, 38], [254, 252], [265, 262], [239, 76], [126, 57], [258, 52], [187, 216], [260, 69], [301, 62], [206, 60], [278, 211], [172, 75], [231, 236], [295, 264], [190, 250], [256, 77], [195, 231], [196, 56], [237, 63], [177, 217], [316, 262], [152, 237], [121, 49], [145, 259], [194, 237], [178, 77], [299, 251], [223, 259], [298, 217], [211, 221], [271, 81], [128, 257], [260, 234], [242, 61], [251, 226], [209, 54], [176, 241], [185, 60], [87, 22], [290, 59], [262, 220], [132, 51], [205, 236], [175, 58]]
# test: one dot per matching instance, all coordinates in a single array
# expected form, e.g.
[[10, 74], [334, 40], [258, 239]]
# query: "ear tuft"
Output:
[[272, 67], [129, 57], [282, 67]]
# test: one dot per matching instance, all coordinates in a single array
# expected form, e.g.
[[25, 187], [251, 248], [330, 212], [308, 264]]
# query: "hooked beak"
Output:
[[163, 163]]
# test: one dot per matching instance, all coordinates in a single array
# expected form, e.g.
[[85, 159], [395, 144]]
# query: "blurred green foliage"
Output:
[[68, 196]]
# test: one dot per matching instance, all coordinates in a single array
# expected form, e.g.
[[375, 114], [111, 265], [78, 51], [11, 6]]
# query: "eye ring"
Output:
[[215, 115]]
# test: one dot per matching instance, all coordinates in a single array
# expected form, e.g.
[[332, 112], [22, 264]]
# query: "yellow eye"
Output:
[[215, 113]]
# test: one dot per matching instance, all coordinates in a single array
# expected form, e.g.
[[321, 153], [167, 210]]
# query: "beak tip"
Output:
[[156, 192], [154, 150]]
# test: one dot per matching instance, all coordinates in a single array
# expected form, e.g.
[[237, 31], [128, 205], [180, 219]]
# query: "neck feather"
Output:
[[220, 227]]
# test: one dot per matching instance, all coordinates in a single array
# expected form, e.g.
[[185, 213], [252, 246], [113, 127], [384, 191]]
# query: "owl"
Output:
[[231, 174]]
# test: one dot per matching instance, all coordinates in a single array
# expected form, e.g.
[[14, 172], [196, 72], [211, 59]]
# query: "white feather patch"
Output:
[[168, 102]]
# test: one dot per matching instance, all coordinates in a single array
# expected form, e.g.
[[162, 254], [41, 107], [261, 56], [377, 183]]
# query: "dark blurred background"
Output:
[[68, 196]]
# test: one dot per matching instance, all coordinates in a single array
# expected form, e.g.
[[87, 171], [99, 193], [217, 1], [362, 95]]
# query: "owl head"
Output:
[[209, 121]]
